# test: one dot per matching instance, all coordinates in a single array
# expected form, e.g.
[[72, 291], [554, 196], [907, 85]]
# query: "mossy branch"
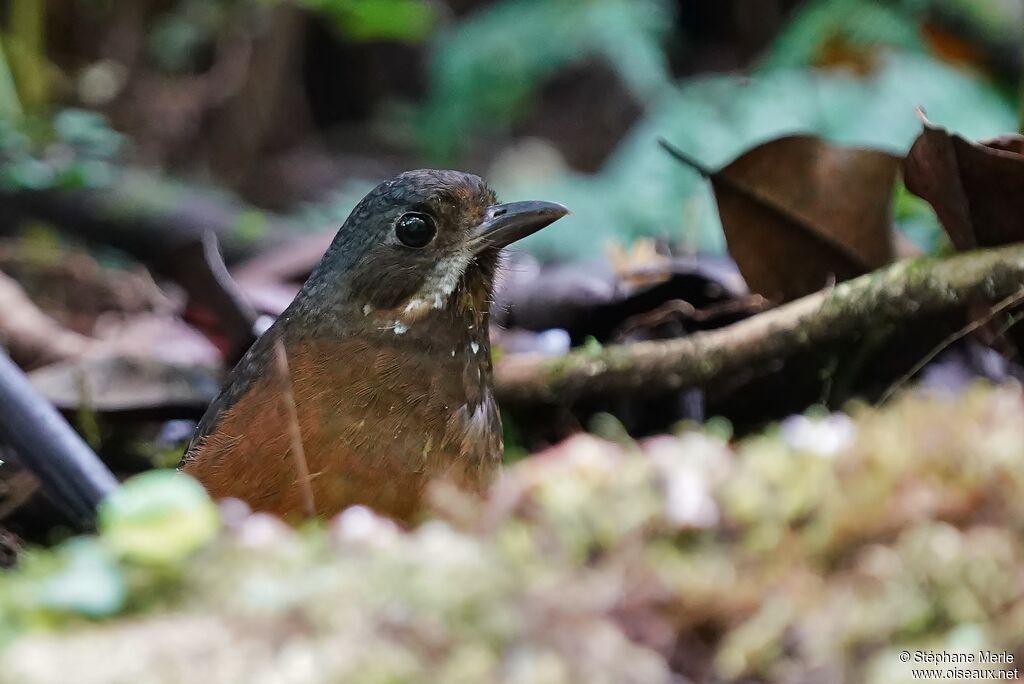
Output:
[[896, 297]]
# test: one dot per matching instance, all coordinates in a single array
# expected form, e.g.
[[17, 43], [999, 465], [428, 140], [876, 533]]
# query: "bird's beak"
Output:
[[506, 223]]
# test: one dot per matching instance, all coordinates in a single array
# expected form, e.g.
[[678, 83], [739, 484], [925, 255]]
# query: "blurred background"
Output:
[[147, 144], [293, 109], [131, 130]]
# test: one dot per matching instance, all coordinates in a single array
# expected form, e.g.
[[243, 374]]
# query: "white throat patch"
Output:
[[436, 291]]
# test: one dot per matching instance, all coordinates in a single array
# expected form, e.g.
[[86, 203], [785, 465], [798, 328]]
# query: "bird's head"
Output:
[[421, 242]]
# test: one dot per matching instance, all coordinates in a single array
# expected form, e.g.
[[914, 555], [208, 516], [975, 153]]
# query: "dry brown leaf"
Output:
[[148, 362], [977, 191], [799, 213], [976, 188], [113, 384]]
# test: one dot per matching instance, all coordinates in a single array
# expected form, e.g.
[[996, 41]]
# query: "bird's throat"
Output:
[[452, 303]]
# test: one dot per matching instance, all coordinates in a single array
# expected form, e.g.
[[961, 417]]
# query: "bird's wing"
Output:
[[254, 365]]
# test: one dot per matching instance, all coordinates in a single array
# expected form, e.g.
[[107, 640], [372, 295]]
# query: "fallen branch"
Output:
[[896, 296], [150, 218], [70, 473]]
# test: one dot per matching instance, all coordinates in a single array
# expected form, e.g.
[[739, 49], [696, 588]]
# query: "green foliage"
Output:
[[864, 25], [25, 41], [177, 35], [250, 226], [86, 133], [10, 102], [85, 580], [77, 149], [643, 192], [158, 517], [400, 20], [1001, 20], [484, 69], [815, 552], [918, 222], [335, 208], [149, 529]]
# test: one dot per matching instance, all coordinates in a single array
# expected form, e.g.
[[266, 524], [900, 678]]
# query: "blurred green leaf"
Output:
[[401, 20], [866, 25], [27, 173], [917, 220], [13, 140], [86, 132], [641, 192], [89, 583], [174, 42], [25, 42], [514, 449], [333, 209], [158, 517], [250, 225], [75, 149], [87, 173], [178, 36], [1002, 20], [484, 69], [10, 103], [829, 535]]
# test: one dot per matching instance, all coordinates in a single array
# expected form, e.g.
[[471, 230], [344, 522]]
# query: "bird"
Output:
[[377, 378]]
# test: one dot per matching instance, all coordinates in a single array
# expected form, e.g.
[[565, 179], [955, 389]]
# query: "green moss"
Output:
[[829, 539]]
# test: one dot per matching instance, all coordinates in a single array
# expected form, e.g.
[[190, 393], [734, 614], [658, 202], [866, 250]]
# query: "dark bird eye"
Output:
[[415, 230]]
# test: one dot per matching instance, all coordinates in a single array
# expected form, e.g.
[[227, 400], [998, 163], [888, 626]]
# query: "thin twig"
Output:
[[295, 434], [748, 304], [1011, 320], [963, 332], [199, 268]]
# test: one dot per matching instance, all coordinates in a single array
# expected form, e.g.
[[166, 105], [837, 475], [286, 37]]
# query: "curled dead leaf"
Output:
[[976, 188], [799, 213]]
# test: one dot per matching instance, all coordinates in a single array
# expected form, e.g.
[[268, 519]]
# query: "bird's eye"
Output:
[[415, 230]]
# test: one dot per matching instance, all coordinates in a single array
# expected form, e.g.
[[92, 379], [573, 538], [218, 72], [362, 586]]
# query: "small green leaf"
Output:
[[250, 225], [86, 173], [89, 582], [27, 173], [161, 516], [86, 132], [408, 21]]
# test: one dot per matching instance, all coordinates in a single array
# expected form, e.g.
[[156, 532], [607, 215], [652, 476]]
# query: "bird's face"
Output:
[[420, 241]]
